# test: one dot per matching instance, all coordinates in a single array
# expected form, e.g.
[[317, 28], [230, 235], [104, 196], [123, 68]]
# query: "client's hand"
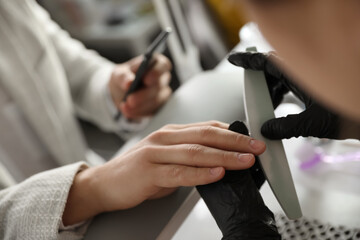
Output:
[[151, 97], [176, 155]]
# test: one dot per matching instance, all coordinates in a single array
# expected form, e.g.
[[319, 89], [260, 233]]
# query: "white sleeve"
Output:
[[33, 209], [87, 72]]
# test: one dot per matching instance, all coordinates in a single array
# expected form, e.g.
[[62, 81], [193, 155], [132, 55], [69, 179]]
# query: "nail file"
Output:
[[259, 109]]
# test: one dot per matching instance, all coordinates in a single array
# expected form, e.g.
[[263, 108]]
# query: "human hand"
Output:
[[236, 204], [151, 97], [315, 120], [176, 155]]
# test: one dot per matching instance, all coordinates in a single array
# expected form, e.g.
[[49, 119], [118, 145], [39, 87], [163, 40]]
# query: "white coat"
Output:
[[51, 77]]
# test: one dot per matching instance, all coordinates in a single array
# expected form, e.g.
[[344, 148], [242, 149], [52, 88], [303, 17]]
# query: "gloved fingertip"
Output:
[[237, 58], [239, 127], [248, 60], [270, 130]]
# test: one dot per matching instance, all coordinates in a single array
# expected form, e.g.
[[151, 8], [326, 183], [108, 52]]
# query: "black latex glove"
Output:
[[236, 204], [314, 121]]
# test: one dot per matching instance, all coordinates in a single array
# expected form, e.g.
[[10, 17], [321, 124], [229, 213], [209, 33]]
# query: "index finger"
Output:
[[160, 66], [135, 62], [248, 60], [197, 124], [209, 136], [257, 61]]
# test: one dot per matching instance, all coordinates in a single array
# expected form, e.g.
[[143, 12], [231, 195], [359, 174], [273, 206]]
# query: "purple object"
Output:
[[312, 161], [320, 156]]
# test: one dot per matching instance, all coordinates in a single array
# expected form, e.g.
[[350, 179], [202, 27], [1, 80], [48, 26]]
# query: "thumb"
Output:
[[284, 127]]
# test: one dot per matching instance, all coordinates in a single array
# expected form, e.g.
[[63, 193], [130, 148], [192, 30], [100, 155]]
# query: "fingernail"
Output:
[[256, 144], [245, 158], [215, 171]]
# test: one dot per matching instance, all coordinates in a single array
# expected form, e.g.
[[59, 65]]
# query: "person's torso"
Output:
[[21, 151], [32, 75]]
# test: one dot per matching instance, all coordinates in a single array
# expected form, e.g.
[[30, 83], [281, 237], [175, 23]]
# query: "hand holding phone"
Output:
[[145, 65], [147, 62]]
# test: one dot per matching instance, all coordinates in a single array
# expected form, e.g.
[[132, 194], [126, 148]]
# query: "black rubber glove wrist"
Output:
[[236, 204], [315, 120]]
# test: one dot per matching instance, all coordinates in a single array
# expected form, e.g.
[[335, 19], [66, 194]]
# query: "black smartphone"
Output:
[[145, 65], [147, 62]]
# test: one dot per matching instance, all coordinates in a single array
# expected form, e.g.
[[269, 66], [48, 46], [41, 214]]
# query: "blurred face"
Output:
[[319, 41]]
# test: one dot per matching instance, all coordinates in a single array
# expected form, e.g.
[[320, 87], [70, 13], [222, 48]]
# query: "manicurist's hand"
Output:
[[315, 120], [176, 155], [151, 97]]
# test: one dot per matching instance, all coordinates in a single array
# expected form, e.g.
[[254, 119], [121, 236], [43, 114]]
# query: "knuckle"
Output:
[[176, 173], [240, 139], [214, 123], [146, 151], [121, 74], [167, 92], [205, 132], [226, 157], [194, 150], [162, 96], [164, 61], [135, 101], [168, 64], [158, 135], [165, 80]]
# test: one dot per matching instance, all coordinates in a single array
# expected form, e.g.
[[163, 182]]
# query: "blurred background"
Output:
[[122, 29]]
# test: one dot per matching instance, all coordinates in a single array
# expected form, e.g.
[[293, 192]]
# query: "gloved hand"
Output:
[[315, 120], [236, 204]]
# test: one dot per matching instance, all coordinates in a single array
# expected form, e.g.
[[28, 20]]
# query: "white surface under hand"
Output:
[[208, 96]]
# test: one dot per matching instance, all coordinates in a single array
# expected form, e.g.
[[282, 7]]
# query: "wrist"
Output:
[[82, 202]]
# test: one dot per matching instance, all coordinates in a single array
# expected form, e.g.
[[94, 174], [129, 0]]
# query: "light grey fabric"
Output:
[[21, 152], [52, 77], [33, 209]]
